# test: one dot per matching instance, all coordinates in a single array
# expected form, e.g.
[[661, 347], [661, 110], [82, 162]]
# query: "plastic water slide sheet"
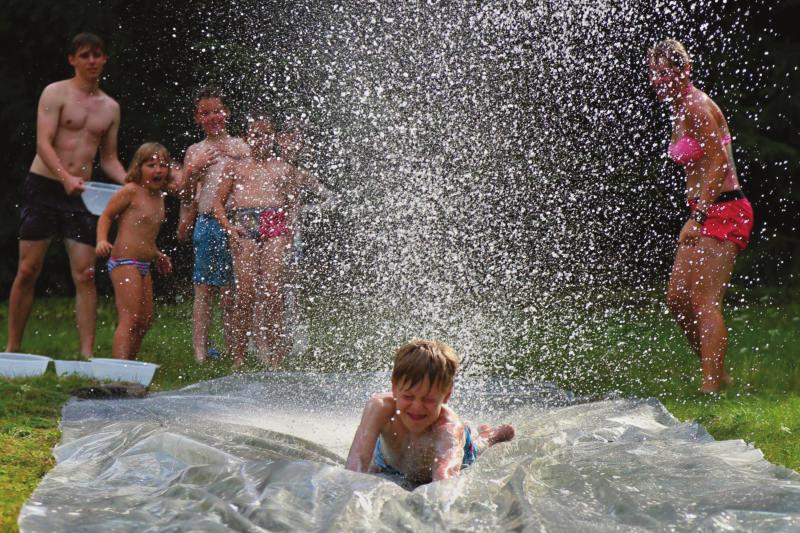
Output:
[[265, 453]]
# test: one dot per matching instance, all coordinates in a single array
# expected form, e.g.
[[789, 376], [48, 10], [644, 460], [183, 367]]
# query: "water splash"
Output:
[[501, 165]]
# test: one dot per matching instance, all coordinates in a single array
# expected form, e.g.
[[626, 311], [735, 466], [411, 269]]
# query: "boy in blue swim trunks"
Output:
[[203, 169], [411, 431]]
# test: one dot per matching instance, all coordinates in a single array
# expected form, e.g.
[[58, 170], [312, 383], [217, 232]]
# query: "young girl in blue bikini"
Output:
[[139, 206]]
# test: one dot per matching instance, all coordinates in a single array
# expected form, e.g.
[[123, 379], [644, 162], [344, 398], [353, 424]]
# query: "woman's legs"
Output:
[[695, 294], [679, 298], [710, 277], [128, 290]]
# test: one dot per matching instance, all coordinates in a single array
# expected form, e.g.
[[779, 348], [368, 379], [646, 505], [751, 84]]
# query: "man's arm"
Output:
[[47, 117], [376, 413], [109, 162]]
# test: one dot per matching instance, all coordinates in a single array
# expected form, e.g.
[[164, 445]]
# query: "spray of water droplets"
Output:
[[500, 165]]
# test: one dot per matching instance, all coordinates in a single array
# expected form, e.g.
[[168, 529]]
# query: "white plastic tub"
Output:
[[17, 365], [123, 370], [81, 368], [96, 196]]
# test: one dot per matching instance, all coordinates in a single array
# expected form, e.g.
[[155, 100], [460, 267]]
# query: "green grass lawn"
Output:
[[642, 355]]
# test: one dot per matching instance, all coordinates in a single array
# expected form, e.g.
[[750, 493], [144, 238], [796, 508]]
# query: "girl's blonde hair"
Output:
[[143, 154], [673, 51]]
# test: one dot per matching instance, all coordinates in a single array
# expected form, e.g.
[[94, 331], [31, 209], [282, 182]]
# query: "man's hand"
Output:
[[73, 185]]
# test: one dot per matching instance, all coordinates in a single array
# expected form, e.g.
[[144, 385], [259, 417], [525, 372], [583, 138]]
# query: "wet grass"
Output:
[[642, 354]]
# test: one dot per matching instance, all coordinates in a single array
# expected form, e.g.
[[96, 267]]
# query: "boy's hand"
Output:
[[103, 248], [163, 263], [206, 157]]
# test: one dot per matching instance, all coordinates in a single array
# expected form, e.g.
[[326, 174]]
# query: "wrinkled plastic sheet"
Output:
[[265, 453]]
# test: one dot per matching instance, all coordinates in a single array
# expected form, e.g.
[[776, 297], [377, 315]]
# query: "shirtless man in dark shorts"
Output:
[[74, 119]]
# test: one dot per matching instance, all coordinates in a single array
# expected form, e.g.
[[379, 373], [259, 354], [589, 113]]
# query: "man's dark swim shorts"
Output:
[[47, 212]]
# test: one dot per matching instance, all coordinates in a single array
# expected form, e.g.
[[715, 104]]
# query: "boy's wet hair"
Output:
[[143, 153], [420, 358], [256, 115], [94, 42], [209, 91], [672, 51]]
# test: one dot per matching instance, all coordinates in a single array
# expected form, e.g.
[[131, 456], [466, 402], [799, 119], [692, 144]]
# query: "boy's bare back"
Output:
[[262, 184]]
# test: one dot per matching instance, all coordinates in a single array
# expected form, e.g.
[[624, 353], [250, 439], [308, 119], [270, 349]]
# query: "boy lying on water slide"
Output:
[[410, 431]]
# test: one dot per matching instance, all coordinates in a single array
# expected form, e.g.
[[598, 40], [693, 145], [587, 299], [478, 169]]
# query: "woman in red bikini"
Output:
[[720, 219]]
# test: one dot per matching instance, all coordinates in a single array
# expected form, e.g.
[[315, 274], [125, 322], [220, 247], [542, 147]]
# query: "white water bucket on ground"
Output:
[[80, 368], [16, 365], [124, 370]]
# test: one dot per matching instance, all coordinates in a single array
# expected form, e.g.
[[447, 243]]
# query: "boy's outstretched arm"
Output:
[[449, 451], [376, 413]]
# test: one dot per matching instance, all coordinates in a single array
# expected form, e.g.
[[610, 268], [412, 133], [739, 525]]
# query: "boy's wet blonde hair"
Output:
[[673, 51], [145, 152], [420, 358]]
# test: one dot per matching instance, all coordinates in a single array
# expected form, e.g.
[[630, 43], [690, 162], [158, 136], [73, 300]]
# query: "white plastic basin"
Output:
[[16, 365], [123, 370], [96, 196], [81, 368]]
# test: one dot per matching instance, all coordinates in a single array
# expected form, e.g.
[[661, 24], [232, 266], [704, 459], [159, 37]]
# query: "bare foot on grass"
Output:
[[715, 386]]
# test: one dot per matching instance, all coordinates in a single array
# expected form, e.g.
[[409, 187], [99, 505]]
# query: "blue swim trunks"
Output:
[[212, 259], [470, 455]]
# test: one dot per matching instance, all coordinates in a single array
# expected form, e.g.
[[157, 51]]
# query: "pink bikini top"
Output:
[[687, 150]]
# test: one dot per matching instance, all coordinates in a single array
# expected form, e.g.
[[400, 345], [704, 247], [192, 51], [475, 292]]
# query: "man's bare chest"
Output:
[[88, 115]]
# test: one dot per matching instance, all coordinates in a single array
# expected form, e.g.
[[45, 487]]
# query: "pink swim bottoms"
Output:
[[730, 220]]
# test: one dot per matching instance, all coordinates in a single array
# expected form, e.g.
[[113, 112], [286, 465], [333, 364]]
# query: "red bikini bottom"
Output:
[[728, 220]]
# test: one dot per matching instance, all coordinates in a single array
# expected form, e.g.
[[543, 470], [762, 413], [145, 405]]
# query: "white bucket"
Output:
[[124, 370], [80, 368], [96, 196], [16, 365]]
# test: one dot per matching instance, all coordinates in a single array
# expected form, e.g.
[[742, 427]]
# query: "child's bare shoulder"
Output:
[[237, 148], [379, 410], [129, 190], [192, 150], [448, 420], [382, 401]]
